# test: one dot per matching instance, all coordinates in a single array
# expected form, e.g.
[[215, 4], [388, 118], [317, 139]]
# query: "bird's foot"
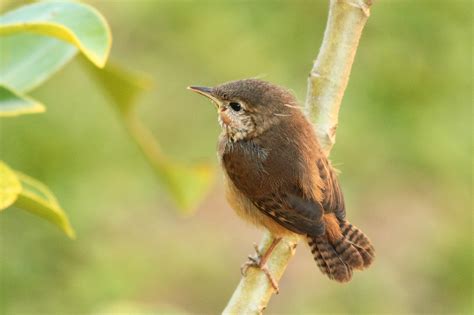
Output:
[[253, 261], [259, 261]]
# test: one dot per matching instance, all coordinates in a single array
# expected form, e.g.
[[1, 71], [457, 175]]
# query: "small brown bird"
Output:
[[277, 176]]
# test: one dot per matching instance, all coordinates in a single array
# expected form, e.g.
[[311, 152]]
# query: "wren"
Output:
[[277, 176]]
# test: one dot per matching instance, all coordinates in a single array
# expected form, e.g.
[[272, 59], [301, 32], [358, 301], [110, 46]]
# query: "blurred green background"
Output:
[[404, 148]]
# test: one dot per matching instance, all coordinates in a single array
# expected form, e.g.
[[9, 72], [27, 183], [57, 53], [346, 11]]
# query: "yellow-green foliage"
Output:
[[28, 59], [25, 62]]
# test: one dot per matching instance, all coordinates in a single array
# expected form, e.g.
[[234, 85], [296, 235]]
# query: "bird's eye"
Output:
[[235, 106]]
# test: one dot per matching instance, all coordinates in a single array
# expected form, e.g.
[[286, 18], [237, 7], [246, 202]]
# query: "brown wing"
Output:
[[333, 200], [291, 210]]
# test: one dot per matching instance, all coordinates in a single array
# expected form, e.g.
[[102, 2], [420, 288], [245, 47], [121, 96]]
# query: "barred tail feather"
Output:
[[360, 241], [328, 260], [337, 257]]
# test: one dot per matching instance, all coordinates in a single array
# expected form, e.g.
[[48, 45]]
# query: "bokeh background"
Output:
[[404, 148]]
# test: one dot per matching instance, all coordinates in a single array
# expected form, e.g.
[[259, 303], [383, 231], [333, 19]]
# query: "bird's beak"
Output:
[[207, 92]]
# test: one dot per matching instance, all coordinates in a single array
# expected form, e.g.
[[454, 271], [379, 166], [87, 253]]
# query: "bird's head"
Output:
[[247, 108]]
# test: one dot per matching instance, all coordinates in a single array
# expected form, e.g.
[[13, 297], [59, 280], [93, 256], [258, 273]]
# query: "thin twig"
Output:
[[326, 85]]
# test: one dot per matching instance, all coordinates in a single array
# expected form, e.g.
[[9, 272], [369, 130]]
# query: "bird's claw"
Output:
[[257, 262], [251, 262]]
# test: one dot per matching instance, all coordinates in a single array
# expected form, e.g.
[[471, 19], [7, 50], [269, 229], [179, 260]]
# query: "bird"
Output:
[[277, 176]]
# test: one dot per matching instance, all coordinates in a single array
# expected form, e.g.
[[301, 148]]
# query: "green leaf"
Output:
[[187, 185], [27, 60], [122, 85], [13, 103], [36, 198], [29, 194], [76, 23], [10, 186]]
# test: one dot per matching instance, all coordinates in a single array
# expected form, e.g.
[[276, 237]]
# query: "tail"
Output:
[[341, 249]]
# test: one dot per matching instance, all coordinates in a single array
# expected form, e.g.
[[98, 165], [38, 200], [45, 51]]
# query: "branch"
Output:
[[326, 85], [328, 79]]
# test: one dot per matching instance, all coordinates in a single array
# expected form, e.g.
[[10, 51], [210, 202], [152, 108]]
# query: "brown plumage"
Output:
[[278, 177]]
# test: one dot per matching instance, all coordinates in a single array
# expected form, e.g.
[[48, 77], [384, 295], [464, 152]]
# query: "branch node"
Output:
[[363, 5], [332, 131]]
